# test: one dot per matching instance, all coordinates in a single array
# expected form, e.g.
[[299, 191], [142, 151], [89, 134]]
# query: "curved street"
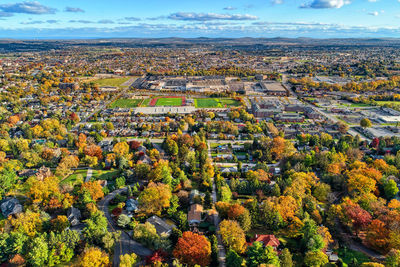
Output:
[[125, 245]]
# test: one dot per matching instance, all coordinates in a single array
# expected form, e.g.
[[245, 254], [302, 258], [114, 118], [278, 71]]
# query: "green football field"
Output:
[[125, 103], [169, 101], [215, 102]]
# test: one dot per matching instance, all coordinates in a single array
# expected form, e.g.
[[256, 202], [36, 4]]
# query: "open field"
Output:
[[356, 105], [215, 103], [165, 101], [169, 101], [125, 103], [111, 81], [381, 103]]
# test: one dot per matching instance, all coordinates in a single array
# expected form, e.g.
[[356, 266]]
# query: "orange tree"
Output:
[[193, 249]]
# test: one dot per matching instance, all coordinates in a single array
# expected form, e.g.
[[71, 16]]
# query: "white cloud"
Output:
[[319, 4], [209, 16], [27, 7], [375, 13]]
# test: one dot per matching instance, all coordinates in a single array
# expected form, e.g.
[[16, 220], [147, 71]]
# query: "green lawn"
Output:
[[72, 178], [175, 101], [105, 174], [381, 103], [146, 102], [215, 102], [112, 81], [359, 105], [125, 103], [355, 105], [347, 255]]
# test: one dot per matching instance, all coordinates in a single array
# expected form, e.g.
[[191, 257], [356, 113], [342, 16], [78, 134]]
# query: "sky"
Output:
[[58, 19]]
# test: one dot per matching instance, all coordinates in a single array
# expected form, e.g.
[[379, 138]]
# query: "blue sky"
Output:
[[190, 18]]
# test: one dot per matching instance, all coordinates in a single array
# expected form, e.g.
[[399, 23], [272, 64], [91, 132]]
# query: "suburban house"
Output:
[[194, 215], [267, 240]]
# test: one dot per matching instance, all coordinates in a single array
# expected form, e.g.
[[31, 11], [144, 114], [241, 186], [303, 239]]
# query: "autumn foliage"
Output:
[[193, 249]]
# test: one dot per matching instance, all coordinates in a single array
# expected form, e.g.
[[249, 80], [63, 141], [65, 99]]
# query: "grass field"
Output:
[[347, 255], [72, 178], [105, 174], [356, 105], [381, 103], [169, 101], [215, 102], [112, 81], [146, 102], [125, 103]]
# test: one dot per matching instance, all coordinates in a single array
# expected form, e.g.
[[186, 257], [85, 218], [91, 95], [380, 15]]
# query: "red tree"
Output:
[[359, 217], [157, 256]]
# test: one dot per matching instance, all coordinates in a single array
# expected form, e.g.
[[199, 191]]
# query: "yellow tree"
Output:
[[121, 149], [41, 192], [359, 184], [94, 188], [128, 260], [93, 257], [28, 223], [155, 198], [233, 235]]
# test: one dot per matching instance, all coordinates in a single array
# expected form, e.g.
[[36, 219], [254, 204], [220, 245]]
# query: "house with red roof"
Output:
[[267, 240]]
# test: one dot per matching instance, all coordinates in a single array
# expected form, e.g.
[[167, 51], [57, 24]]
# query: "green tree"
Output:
[[315, 259], [225, 194], [109, 240], [390, 188], [128, 260], [286, 258], [38, 251], [123, 220], [8, 179], [233, 259], [393, 258], [311, 240], [95, 229], [257, 254], [120, 182], [365, 123]]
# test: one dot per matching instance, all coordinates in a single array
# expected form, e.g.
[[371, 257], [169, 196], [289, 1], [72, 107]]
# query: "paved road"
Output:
[[88, 175], [125, 244], [221, 247]]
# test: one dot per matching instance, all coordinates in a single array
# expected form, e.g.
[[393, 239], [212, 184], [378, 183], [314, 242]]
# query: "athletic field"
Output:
[[172, 101], [169, 102]]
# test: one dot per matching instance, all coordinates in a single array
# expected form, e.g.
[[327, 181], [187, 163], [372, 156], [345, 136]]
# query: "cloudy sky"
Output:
[[196, 18]]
